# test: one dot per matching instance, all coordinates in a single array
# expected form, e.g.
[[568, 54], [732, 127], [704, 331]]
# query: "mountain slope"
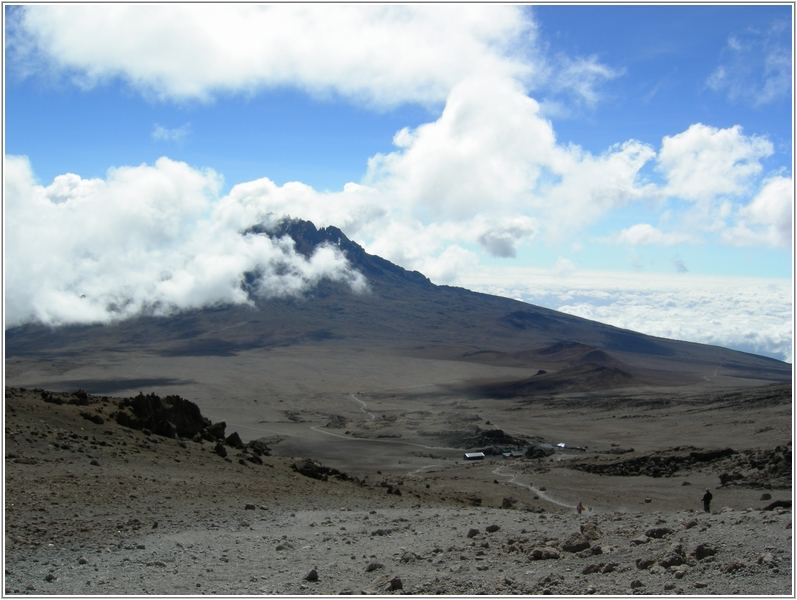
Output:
[[405, 311]]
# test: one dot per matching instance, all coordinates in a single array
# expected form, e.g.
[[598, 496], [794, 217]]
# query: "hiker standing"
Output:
[[707, 501], [580, 508]]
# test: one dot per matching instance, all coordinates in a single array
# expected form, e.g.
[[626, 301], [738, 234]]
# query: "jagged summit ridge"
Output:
[[308, 238]]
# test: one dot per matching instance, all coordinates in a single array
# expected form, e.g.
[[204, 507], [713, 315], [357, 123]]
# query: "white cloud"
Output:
[[163, 134], [767, 219], [145, 239], [563, 267], [724, 311], [645, 234], [491, 152], [581, 77], [756, 66], [381, 55], [704, 162]]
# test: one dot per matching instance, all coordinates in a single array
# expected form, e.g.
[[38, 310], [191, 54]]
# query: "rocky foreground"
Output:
[[99, 504]]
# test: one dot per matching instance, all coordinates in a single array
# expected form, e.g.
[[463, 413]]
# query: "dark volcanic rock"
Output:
[[315, 470], [234, 440], [538, 452], [171, 416]]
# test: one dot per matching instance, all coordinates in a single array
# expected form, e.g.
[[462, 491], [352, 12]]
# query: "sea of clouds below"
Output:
[[747, 314]]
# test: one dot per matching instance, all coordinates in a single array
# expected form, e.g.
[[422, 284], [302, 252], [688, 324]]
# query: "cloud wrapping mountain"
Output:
[[146, 239]]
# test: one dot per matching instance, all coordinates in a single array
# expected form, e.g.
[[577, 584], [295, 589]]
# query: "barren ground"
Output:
[[102, 509]]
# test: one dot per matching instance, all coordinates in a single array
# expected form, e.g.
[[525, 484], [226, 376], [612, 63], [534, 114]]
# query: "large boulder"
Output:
[[538, 452], [171, 416]]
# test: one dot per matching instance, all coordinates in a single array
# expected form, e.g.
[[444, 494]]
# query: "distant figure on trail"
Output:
[[707, 501], [580, 508]]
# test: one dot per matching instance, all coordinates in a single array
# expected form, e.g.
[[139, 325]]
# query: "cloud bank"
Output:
[[147, 239], [723, 311]]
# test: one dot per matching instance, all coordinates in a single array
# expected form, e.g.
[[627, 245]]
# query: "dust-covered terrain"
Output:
[[97, 507]]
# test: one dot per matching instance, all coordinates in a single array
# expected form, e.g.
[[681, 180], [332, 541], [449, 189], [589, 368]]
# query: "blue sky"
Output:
[[565, 140]]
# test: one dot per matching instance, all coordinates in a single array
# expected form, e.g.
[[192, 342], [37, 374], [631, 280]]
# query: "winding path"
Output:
[[513, 479], [362, 408]]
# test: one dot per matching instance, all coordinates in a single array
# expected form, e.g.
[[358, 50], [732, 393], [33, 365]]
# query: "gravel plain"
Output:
[[97, 508]]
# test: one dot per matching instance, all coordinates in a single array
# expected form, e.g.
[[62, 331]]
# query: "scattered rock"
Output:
[[658, 532], [591, 531], [543, 554], [766, 559], [311, 576], [508, 503], [492, 528], [732, 567], [703, 551], [575, 543], [637, 584], [472, 532], [373, 567], [674, 556], [93, 417], [395, 584]]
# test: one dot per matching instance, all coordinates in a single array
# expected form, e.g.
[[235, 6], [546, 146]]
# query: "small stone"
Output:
[[50, 577], [395, 584], [250, 507], [703, 550], [311, 576], [700, 584], [576, 543], [492, 528], [637, 584], [473, 532], [766, 559], [82, 560], [658, 532], [373, 567]]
